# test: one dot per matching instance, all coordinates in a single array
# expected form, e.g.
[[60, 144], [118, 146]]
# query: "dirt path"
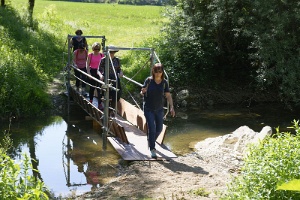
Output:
[[186, 177]]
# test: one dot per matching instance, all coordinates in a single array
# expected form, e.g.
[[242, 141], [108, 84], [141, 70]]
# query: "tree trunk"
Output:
[[30, 11], [31, 4], [2, 3]]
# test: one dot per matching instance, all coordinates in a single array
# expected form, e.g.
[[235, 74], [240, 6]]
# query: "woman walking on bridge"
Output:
[[92, 66], [154, 90], [79, 59]]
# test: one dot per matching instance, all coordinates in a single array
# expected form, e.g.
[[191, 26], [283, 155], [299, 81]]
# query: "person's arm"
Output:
[[71, 43], [119, 69], [74, 59], [170, 100], [121, 73], [88, 69], [86, 44], [144, 88], [101, 68], [100, 75]]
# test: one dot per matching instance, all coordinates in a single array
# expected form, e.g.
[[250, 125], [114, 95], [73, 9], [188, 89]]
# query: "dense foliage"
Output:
[[273, 162], [209, 43]]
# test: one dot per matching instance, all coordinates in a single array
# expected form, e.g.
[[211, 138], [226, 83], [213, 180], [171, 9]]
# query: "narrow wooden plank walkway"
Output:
[[137, 147], [129, 129]]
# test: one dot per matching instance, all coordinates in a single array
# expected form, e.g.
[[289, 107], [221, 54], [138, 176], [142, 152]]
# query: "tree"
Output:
[[239, 41], [30, 11], [205, 42]]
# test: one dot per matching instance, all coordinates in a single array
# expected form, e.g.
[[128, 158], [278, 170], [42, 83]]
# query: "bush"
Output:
[[273, 162], [15, 179], [16, 183]]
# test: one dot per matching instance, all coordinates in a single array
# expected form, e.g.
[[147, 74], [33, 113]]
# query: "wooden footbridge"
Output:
[[127, 129]]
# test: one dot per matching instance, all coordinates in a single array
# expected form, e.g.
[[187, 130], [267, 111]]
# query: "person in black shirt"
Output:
[[78, 39], [114, 67], [154, 90]]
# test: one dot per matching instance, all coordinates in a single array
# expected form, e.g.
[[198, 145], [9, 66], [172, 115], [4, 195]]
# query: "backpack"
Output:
[[76, 43], [149, 79]]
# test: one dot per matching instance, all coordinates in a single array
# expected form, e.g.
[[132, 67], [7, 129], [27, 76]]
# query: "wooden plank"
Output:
[[137, 149], [113, 128], [136, 116], [121, 130], [132, 114], [118, 130]]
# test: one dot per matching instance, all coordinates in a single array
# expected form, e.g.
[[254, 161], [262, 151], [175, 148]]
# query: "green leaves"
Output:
[[293, 185], [270, 169], [16, 183]]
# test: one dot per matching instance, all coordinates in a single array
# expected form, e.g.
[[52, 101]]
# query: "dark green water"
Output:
[[69, 149]]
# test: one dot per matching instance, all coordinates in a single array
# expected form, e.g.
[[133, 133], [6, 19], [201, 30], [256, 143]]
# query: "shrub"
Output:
[[273, 162], [15, 179]]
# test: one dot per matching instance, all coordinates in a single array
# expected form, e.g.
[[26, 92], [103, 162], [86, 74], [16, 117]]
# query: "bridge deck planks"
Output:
[[129, 127], [137, 149]]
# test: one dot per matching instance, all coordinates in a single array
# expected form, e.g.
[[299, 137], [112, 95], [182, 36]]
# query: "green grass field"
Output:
[[122, 25]]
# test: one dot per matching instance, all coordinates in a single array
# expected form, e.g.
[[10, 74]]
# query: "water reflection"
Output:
[[69, 160], [85, 151]]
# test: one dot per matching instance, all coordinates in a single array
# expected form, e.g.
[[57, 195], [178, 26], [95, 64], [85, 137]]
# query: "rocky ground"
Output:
[[199, 175]]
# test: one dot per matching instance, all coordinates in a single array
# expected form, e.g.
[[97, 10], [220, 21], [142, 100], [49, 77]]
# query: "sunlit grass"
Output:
[[122, 25]]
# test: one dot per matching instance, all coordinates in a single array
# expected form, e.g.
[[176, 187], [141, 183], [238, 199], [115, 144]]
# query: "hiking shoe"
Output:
[[153, 153]]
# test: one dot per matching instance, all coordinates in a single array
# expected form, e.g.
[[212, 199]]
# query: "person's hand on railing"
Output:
[[143, 91], [100, 75], [121, 74]]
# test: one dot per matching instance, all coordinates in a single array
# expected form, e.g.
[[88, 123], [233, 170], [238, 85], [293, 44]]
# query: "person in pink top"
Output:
[[79, 59], [92, 66]]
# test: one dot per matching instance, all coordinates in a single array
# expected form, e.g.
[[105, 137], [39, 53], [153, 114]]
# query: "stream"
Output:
[[69, 148]]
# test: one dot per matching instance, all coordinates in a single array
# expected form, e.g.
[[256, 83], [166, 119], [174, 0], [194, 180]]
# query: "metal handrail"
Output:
[[106, 84], [90, 76]]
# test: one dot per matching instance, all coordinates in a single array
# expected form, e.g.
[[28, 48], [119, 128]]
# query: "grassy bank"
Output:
[[32, 57]]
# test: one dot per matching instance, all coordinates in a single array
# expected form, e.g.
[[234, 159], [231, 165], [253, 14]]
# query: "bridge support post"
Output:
[[105, 88]]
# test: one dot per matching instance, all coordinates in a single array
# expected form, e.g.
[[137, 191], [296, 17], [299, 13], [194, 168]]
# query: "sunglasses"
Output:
[[157, 70], [96, 49]]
